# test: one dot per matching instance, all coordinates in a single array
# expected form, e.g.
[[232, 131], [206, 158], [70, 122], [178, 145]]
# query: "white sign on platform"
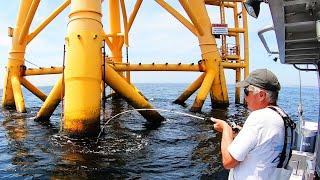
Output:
[[220, 29]]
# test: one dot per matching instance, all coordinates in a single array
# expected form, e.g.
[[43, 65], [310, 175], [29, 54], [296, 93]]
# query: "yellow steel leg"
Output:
[[52, 101], [55, 13], [128, 76], [115, 28], [203, 91], [134, 13], [190, 90], [83, 69], [7, 98], [212, 59], [27, 23], [238, 78], [245, 44], [225, 97], [16, 58], [219, 95], [18, 96], [237, 39], [121, 86], [246, 41], [33, 89]]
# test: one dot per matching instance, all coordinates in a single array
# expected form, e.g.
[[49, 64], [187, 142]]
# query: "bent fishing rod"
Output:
[[233, 125]]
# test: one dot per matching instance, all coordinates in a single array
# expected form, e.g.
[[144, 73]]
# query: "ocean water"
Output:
[[182, 147]]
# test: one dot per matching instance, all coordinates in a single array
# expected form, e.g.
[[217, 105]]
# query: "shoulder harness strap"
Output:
[[289, 126]]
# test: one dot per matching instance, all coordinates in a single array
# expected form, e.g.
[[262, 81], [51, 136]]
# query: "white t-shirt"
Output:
[[258, 145]]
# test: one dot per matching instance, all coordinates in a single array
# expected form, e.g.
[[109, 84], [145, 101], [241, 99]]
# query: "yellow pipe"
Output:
[[139, 67], [28, 21], [53, 15], [232, 0], [18, 96], [224, 90], [121, 86], [16, 56], [228, 65], [211, 54], [203, 91], [115, 29], [178, 16], [134, 13], [219, 95], [237, 90], [120, 43], [246, 41], [236, 30], [125, 22], [33, 89], [190, 90], [232, 57], [108, 42], [228, 5], [83, 69], [218, 3], [52, 101], [223, 37], [236, 24], [237, 39], [158, 67], [232, 34], [43, 71], [186, 7], [7, 97], [114, 17], [128, 76], [171, 67]]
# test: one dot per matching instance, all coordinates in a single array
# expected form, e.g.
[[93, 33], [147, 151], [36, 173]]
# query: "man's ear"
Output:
[[262, 95]]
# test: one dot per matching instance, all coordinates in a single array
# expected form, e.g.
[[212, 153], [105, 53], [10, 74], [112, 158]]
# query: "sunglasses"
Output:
[[249, 88], [246, 91]]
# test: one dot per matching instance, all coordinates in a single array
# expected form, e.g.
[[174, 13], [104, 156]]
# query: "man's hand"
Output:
[[219, 124], [227, 137]]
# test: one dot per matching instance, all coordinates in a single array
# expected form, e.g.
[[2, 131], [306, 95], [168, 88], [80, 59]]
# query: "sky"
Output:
[[155, 36]]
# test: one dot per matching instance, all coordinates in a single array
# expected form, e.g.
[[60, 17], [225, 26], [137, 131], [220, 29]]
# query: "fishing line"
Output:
[[31, 63], [233, 125], [163, 110]]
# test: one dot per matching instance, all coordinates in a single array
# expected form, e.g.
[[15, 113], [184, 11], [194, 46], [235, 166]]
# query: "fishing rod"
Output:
[[233, 125]]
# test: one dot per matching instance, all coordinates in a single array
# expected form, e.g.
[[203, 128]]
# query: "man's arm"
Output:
[[227, 137]]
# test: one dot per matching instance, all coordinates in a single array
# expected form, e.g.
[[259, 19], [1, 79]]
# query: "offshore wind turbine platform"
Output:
[[87, 71]]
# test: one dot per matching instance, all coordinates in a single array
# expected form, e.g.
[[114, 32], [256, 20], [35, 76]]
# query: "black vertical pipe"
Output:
[[104, 77]]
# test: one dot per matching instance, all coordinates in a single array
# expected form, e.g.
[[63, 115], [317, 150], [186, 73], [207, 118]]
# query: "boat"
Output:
[[296, 24]]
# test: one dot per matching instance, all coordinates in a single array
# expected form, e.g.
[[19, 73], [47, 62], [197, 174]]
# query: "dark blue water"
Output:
[[182, 147]]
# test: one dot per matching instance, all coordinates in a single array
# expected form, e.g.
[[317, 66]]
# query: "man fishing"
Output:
[[256, 151]]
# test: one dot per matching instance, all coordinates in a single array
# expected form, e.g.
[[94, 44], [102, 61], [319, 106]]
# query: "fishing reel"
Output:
[[235, 128]]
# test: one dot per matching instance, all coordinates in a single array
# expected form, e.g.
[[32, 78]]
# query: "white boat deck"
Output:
[[295, 23]]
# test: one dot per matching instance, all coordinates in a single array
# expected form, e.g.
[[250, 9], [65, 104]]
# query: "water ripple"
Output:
[[182, 147]]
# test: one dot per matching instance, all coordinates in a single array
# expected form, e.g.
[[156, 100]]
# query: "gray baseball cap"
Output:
[[262, 78]]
